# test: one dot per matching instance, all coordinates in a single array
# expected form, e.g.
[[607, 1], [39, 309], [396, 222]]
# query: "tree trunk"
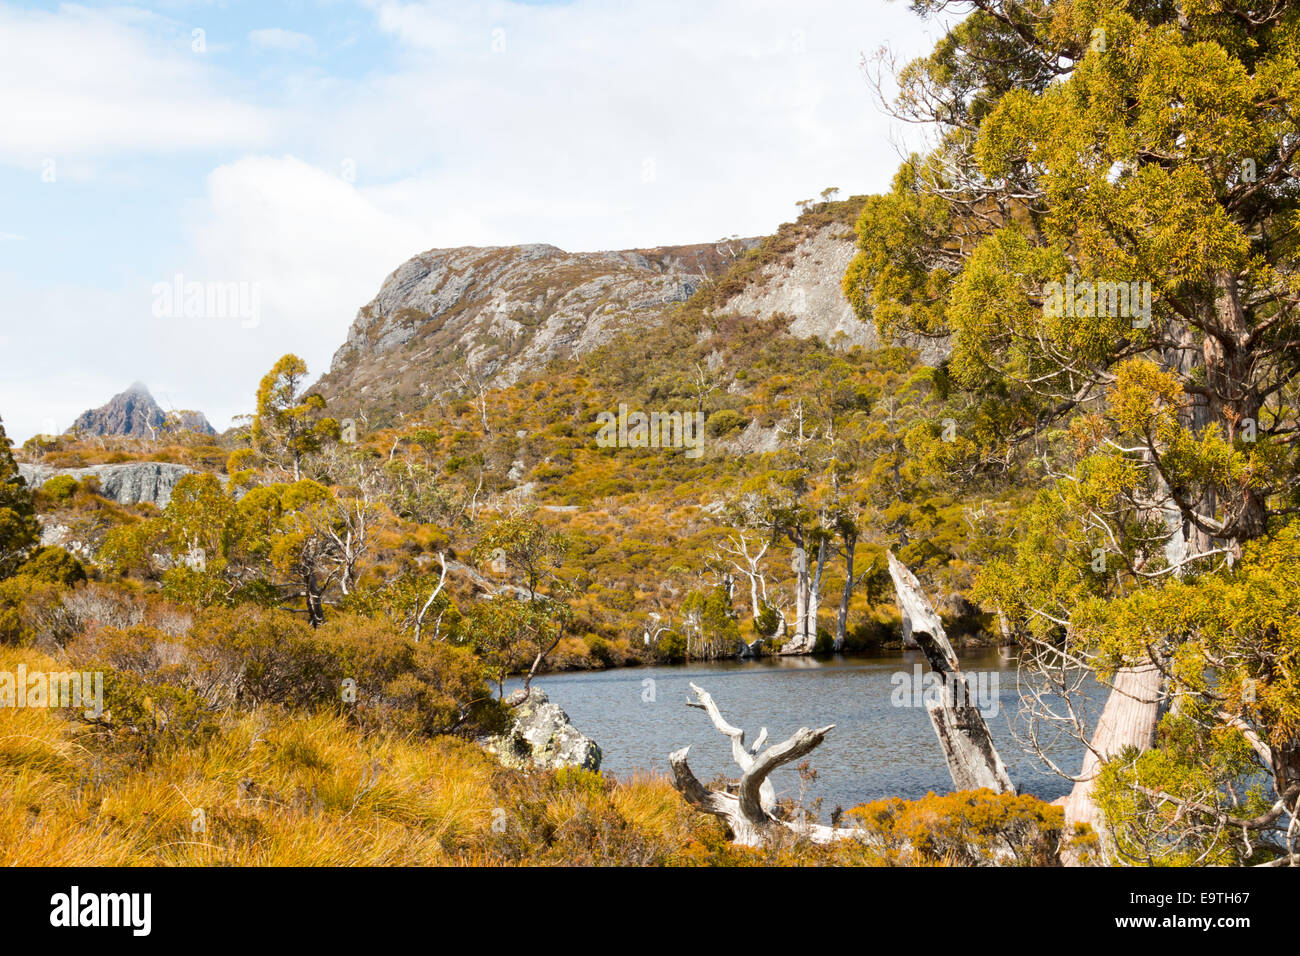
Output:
[[804, 601], [315, 604], [1128, 720], [842, 619], [419, 617], [808, 582], [973, 761]]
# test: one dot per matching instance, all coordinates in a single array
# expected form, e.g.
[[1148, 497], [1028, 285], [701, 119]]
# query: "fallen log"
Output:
[[973, 761], [749, 813]]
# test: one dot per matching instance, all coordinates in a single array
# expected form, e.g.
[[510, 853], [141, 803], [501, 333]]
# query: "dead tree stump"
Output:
[[973, 761]]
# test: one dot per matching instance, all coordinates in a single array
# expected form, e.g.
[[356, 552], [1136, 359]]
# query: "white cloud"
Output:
[[90, 82], [593, 125], [317, 246]]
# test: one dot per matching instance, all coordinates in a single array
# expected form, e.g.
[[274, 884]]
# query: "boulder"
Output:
[[541, 737]]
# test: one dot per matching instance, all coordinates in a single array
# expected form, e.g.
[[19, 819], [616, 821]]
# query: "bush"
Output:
[[246, 657], [53, 565], [59, 488], [601, 651], [967, 828], [723, 421], [429, 688], [25, 608], [671, 647], [768, 620], [147, 716]]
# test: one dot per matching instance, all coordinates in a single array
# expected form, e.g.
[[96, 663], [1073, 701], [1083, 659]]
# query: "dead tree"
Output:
[[750, 812], [419, 617], [735, 551], [967, 746]]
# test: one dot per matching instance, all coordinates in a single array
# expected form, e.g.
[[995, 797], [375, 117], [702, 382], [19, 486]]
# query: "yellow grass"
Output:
[[275, 788]]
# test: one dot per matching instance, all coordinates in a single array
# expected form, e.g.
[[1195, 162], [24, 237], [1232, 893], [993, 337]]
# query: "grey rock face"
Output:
[[130, 483], [60, 535], [542, 737], [809, 292], [134, 412], [503, 311]]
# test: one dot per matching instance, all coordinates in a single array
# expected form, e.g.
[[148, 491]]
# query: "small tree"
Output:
[[287, 426], [532, 624], [19, 531]]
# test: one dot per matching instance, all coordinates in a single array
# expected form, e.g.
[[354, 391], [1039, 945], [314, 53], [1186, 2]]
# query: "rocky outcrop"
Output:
[[502, 311], [542, 737], [806, 287], [130, 483], [56, 534], [135, 413]]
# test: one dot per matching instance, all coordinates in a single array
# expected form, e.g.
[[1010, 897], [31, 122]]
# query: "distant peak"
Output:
[[134, 412]]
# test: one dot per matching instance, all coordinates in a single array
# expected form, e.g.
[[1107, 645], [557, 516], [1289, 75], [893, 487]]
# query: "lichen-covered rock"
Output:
[[54, 534], [542, 737], [130, 483]]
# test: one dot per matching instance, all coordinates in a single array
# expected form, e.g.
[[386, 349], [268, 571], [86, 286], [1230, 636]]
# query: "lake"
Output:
[[877, 749]]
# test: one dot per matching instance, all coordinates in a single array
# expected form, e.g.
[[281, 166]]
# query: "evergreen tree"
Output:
[[1105, 232], [19, 532]]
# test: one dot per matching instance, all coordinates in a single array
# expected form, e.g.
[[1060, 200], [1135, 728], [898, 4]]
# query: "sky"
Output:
[[282, 158]]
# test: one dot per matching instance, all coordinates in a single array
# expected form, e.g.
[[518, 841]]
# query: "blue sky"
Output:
[[308, 148]]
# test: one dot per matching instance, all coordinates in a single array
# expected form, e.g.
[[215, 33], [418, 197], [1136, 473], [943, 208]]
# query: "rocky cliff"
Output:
[[500, 312], [130, 483], [134, 412], [804, 285]]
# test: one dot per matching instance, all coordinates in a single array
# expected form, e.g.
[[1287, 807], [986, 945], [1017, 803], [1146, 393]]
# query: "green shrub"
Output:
[[60, 488], [724, 421], [247, 656], [966, 828], [53, 565], [768, 620], [601, 651], [671, 647]]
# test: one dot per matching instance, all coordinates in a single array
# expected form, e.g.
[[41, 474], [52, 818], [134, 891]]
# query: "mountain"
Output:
[[500, 312], [134, 412], [449, 320]]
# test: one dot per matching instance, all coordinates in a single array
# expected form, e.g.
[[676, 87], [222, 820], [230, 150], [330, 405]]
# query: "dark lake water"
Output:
[[877, 749]]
